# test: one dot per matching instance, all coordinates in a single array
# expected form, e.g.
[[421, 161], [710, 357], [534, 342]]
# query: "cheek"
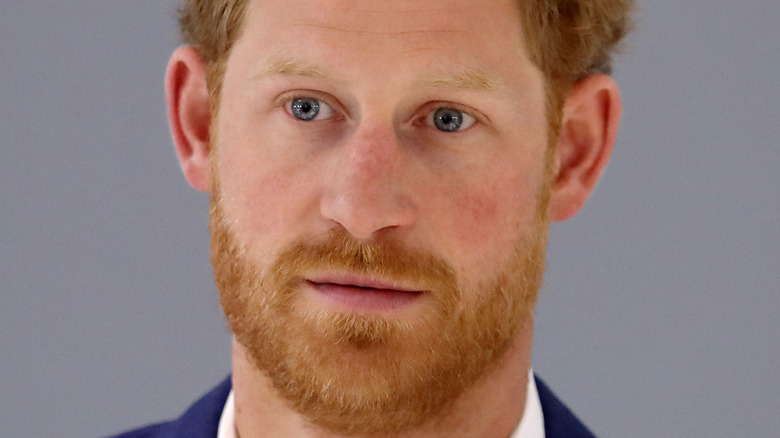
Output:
[[491, 216], [477, 214], [482, 221], [256, 199]]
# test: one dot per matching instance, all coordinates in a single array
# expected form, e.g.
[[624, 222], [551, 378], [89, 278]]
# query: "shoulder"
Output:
[[152, 431], [559, 421], [201, 420]]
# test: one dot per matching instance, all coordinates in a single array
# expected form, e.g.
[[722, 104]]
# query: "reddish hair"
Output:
[[566, 39]]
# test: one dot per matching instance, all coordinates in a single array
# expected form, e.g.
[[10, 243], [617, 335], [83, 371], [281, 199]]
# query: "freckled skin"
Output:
[[377, 168], [311, 214], [460, 198]]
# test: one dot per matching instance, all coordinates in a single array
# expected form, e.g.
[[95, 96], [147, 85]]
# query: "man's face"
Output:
[[379, 201]]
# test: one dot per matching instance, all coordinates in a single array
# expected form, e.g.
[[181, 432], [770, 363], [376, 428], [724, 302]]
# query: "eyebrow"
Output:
[[288, 66], [465, 79]]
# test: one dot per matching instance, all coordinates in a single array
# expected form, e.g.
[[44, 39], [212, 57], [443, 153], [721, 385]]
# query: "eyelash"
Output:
[[432, 107], [286, 99]]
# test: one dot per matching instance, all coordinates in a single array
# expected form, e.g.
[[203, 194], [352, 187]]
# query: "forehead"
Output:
[[480, 35], [376, 17]]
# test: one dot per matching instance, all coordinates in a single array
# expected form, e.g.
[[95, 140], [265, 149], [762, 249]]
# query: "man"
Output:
[[382, 176]]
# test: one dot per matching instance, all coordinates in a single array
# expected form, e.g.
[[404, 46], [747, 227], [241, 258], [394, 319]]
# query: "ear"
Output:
[[591, 116], [189, 114]]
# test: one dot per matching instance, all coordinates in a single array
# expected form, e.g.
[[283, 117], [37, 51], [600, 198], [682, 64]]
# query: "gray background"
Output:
[[659, 313]]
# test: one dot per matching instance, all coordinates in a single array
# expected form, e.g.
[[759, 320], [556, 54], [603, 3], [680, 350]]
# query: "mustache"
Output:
[[384, 257]]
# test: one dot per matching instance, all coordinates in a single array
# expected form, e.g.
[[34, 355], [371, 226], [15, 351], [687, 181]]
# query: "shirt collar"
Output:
[[227, 421]]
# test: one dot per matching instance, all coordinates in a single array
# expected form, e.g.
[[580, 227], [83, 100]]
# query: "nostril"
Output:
[[364, 190], [363, 214]]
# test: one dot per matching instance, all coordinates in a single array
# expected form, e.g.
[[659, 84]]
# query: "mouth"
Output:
[[354, 293]]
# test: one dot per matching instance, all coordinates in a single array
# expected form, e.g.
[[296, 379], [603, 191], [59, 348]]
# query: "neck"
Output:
[[493, 406]]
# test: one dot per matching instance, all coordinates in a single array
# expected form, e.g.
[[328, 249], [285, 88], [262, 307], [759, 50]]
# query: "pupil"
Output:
[[305, 109], [447, 119]]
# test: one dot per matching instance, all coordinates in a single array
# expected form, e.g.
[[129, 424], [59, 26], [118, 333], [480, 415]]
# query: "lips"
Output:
[[363, 294]]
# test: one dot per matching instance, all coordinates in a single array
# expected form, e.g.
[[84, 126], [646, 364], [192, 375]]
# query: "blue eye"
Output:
[[309, 109], [450, 120]]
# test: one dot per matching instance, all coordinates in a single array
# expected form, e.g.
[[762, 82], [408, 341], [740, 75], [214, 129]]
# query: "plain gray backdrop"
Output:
[[658, 318]]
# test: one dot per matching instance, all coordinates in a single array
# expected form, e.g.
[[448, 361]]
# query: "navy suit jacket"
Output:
[[202, 419]]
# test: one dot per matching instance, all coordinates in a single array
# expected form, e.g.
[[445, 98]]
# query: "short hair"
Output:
[[566, 39]]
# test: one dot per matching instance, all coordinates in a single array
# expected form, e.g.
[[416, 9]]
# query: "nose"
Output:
[[367, 186]]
